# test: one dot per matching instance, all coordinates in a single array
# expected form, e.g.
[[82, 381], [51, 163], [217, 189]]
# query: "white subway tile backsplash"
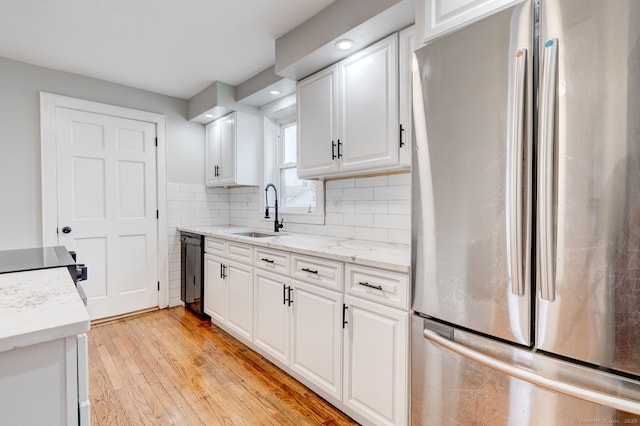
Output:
[[358, 193], [392, 221], [401, 179], [341, 231], [372, 234], [400, 207], [400, 236], [372, 181], [392, 193], [341, 183], [373, 207], [358, 219]]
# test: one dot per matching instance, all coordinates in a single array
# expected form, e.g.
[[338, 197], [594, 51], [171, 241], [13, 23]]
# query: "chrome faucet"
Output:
[[276, 224]]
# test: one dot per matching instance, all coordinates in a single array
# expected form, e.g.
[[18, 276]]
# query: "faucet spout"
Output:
[[276, 224]]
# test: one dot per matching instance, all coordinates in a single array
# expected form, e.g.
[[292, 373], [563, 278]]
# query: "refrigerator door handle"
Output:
[[546, 132], [515, 171], [512, 370]]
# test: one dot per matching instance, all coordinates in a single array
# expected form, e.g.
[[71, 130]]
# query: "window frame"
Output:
[[275, 116]]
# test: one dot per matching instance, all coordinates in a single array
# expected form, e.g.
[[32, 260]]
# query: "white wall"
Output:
[[20, 188]]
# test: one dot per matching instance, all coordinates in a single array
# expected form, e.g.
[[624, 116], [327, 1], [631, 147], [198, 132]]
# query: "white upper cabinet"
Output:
[[368, 113], [317, 121], [348, 115], [406, 46], [437, 17], [233, 150]]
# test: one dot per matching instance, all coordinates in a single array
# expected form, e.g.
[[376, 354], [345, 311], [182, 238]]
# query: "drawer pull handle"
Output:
[[264, 259], [310, 270], [366, 284]]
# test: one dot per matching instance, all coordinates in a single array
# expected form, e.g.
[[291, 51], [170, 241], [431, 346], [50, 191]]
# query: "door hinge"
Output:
[[156, 142], [158, 285]]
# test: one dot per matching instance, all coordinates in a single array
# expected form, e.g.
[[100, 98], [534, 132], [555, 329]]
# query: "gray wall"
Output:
[[20, 187]]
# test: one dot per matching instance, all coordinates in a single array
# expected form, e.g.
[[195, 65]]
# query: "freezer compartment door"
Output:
[[589, 182], [471, 175], [470, 386]]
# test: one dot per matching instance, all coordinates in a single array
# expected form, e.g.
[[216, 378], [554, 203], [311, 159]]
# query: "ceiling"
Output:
[[172, 47]]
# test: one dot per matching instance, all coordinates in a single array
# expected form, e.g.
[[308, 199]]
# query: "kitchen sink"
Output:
[[258, 234]]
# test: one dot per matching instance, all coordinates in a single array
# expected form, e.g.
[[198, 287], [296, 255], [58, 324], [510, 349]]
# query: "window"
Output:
[[296, 194], [300, 201]]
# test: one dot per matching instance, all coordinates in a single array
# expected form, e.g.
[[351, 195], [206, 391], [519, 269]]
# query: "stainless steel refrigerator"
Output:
[[526, 218]]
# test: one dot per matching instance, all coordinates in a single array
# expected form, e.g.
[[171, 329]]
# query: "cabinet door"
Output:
[[316, 100], [240, 283], [375, 361], [215, 288], [271, 315], [227, 165], [316, 336], [407, 44], [212, 133], [368, 114], [437, 17]]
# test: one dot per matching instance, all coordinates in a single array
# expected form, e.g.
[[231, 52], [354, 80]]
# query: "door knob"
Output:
[[66, 230]]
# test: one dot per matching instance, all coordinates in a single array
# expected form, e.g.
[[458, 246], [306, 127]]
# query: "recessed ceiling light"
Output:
[[274, 92], [209, 115], [344, 44]]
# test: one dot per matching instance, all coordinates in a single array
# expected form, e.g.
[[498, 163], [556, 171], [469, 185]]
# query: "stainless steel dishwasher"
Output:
[[192, 272]]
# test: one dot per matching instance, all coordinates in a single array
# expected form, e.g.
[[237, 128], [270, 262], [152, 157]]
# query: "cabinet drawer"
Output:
[[390, 288], [214, 246], [272, 260], [240, 252], [323, 272]]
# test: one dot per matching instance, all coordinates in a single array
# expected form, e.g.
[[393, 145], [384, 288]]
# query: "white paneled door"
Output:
[[107, 204]]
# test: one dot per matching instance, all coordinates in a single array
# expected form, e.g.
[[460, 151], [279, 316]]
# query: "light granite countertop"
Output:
[[39, 306], [395, 257]]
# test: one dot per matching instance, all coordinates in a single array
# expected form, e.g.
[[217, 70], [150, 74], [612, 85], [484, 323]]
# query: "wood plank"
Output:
[[171, 367]]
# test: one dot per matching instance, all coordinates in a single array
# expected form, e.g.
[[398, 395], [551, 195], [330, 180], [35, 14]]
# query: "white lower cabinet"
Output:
[[316, 336], [229, 294], [271, 314], [299, 325], [351, 348], [376, 361], [240, 288], [46, 383], [215, 288]]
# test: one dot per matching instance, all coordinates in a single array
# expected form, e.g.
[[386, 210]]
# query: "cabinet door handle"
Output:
[[224, 271], [221, 271], [309, 270], [339, 146], [290, 301], [264, 259], [401, 136], [333, 150], [344, 315], [366, 284], [284, 294]]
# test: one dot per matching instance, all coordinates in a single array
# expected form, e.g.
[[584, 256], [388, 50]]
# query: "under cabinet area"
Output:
[[338, 327], [231, 146]]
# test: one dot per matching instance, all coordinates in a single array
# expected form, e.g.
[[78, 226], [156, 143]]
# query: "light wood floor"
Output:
[[169, 367]]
